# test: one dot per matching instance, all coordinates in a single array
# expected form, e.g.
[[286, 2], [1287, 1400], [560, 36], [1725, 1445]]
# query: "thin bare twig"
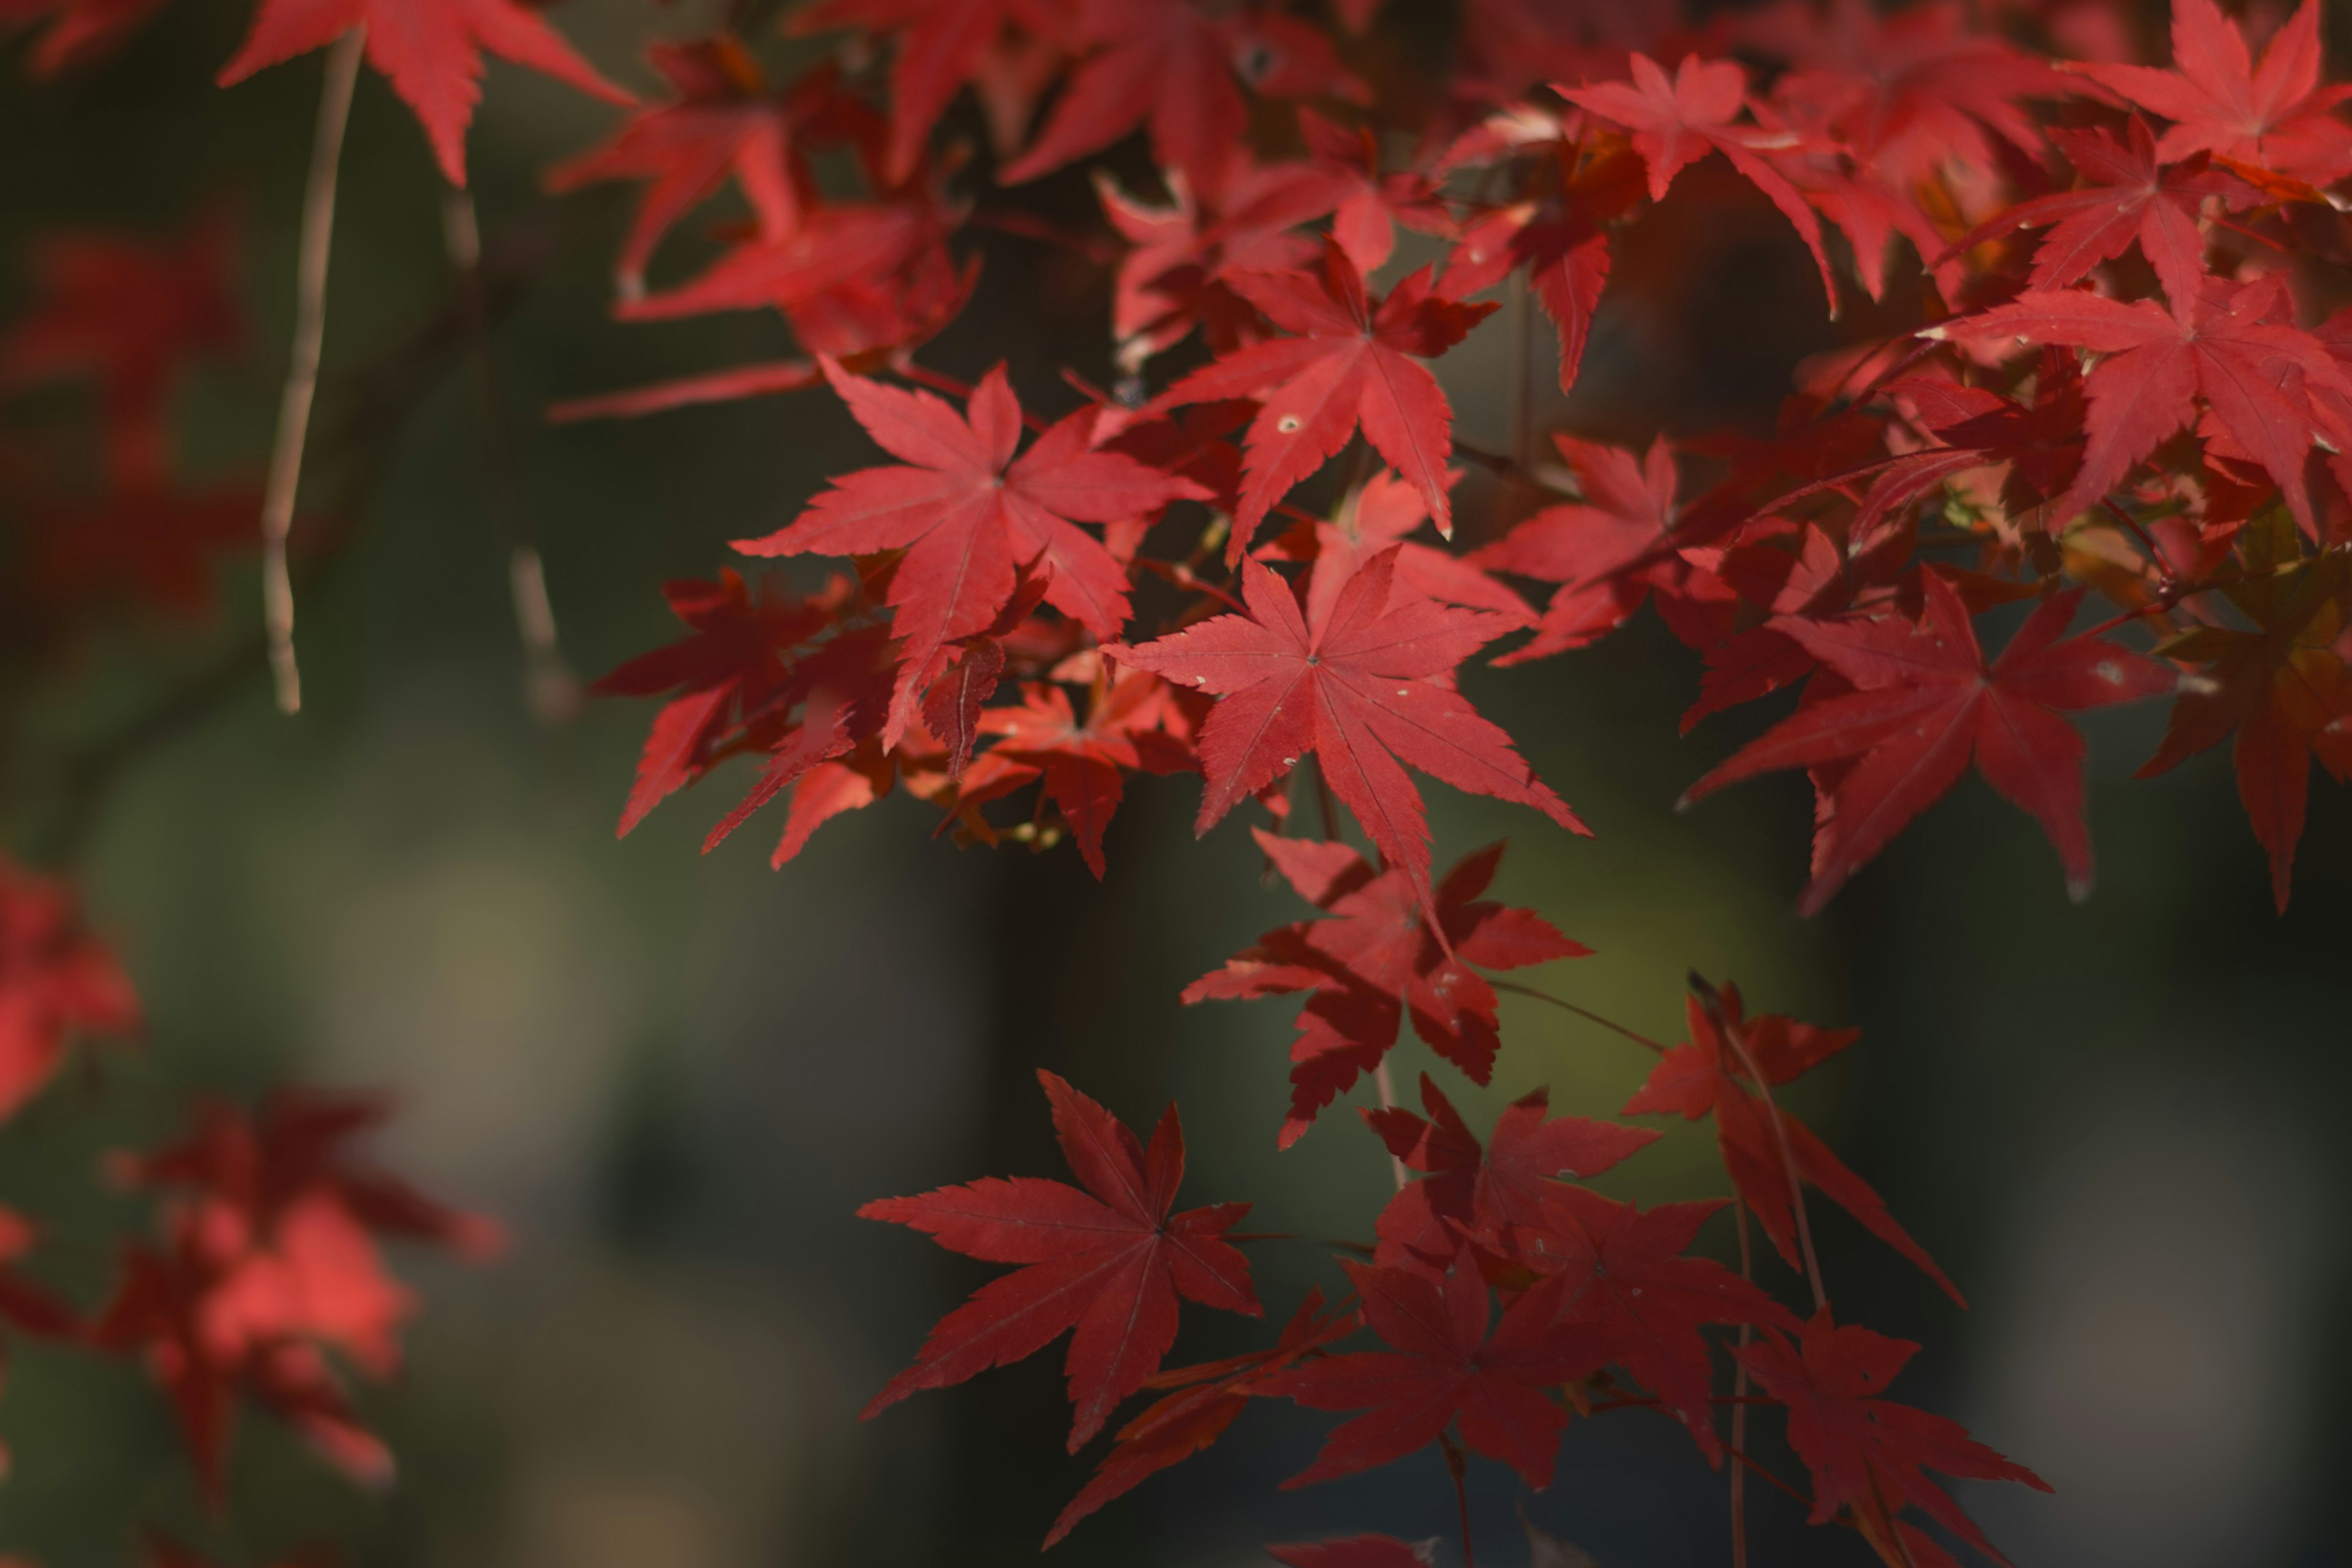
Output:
[[317, 246], [551, 691]]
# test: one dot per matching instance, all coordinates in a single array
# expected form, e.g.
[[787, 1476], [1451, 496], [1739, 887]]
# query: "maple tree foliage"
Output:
[[1106, 1259], [2091, 387]]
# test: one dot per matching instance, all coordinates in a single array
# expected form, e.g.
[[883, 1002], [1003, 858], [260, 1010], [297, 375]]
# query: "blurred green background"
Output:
[[674, 1077]]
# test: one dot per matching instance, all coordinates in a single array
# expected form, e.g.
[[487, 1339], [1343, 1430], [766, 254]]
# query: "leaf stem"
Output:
[[1712, 1000], [1590, 1016], [317, 248]]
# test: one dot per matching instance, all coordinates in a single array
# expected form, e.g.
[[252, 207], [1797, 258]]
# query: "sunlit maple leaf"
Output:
[[1240, 216], [1466, 1188], [970, 515], [1926, 702], [1108, 1261], [1383, 956], [1677, 120], [1867, 1455], [722, 124], [1709, 1075], [56, 982], [2273, 113], [1555, 230], [1386, 511], [1352, 361], [1359, 688], [1376, 201], [2280, 688], [1208, 1398], [1131, 725], [429, 50], [1443, 1369]]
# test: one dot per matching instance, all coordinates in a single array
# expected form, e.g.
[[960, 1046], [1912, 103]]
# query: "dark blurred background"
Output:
[[674, 1077]]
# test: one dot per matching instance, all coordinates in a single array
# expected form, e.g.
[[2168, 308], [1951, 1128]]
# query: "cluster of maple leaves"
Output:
[[262, 1270], [2096, 368]]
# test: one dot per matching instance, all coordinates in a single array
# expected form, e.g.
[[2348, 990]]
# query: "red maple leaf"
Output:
[[2128, 193], [79, 32], [1708, 1075], [969, 516], [1610, 550], [2273, 114], [56, 981], [1867, 1454], [1108, 1261], [1353, 1552], [723, 122], [1353, 361], [1580, 182], [2282, 688], [1131, 724], [1384, 511], [742, 663], [1465, 1188], [1358, 688], [1383, 956], [941, 46], [1208, 1398], [1241, 215], [429, 50], [132, 315], [267, 1256], [1905, 93], [1443, 1370], [1373, 203], [1626, 1293], [1169, 66], [2234, 345], [1677, 120], [1925, 702]]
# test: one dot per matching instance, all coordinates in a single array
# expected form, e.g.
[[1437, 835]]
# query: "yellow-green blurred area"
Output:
[[674, 1077]]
